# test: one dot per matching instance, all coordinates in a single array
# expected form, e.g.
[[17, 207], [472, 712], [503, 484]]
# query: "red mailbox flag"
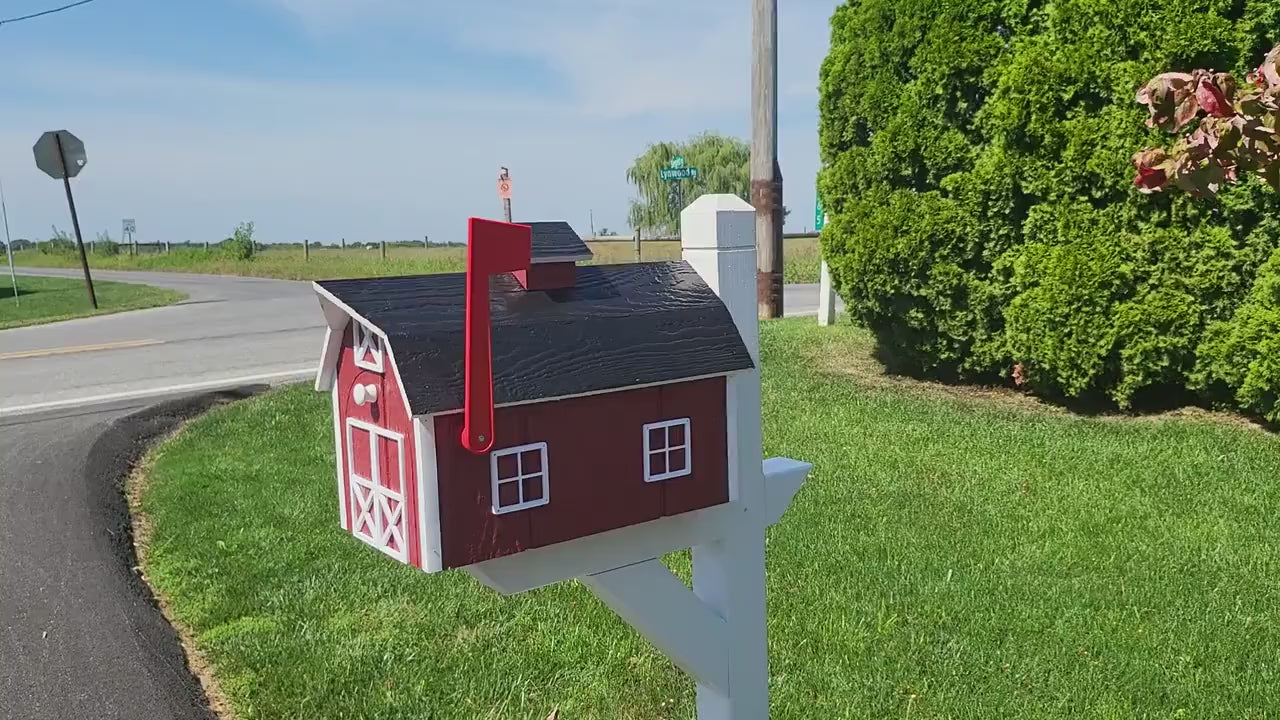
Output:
[[492, 248]]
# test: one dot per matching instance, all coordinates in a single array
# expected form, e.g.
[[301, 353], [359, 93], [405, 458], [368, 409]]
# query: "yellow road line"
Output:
[[79, 349]]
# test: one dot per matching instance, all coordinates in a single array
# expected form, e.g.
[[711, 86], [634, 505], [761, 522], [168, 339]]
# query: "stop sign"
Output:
[[50, 160]]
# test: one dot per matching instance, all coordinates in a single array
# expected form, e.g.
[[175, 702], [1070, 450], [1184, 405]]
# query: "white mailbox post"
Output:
[[715, 631]]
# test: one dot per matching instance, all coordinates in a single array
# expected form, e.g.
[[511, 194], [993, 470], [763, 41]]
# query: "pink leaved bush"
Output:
[[1224, 130]]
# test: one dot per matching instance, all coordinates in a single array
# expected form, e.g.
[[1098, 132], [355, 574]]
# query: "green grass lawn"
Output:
[[954, 554], [802, 260], [47, 299]]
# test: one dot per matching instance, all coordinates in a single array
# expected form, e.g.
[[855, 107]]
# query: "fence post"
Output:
[[383, 247], [306, 250], [637, 245]]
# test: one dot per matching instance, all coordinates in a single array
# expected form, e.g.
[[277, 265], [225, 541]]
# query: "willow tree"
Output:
[[723, 165]]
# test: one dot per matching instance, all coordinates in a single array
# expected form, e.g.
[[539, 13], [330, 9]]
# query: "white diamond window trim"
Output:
[[528, 485], [666, 450], [368, 348]]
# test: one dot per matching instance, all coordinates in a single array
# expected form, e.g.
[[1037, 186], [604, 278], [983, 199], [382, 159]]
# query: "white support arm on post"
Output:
[[658, 604]]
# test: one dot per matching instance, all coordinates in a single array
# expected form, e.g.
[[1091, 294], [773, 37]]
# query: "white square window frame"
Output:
[[494, 481], [667, 449], [365, 341]]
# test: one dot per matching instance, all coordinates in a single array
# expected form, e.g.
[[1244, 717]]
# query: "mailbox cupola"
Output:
[[557, 250]]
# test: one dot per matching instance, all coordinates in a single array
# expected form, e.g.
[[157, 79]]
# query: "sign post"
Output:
[[675, 174], [504, 192], [128, 227], [61, 156], [826, 295], [8, 243]]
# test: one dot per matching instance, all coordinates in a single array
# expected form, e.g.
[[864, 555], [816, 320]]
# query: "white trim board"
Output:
[[337, 448], [424, 437]]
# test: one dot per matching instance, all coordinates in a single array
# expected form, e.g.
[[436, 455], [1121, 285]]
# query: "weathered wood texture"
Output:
[[547, 276], [766, 173], [595, 465], [557, 241], [619, 326], [387, 412]]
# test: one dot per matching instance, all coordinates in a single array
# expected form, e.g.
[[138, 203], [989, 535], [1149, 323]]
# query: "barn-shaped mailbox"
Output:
[[527, 402]]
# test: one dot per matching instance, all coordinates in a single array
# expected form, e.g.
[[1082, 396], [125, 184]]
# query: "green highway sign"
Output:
[[678, 173], [819, 215]]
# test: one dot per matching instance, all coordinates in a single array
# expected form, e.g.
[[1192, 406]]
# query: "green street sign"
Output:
[[677, 161], [819, 215], [680, 173]]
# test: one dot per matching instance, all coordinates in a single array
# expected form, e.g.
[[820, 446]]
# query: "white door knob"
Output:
[[364, 393]]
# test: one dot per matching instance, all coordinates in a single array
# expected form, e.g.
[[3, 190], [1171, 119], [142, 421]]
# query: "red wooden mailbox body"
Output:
[[607, 398]]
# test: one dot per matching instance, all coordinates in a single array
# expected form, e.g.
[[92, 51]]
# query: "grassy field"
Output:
[[327, 263], [955, 554], [44, 299]]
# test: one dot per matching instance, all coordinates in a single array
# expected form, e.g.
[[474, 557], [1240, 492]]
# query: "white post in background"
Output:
[[8, 243], [826, 297], [719, 241]]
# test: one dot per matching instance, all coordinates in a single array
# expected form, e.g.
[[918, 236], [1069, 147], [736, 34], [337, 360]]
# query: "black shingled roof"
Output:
[[557, 241], [621, 325]]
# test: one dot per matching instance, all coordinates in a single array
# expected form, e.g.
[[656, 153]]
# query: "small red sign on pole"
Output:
[[504, 188]]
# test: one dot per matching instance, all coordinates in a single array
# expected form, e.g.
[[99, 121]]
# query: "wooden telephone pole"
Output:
[[766, 174]]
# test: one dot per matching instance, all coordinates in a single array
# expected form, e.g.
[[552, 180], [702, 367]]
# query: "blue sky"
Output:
[[380, 119]]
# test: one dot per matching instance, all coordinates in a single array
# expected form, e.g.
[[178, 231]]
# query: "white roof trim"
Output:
[[328, 363]]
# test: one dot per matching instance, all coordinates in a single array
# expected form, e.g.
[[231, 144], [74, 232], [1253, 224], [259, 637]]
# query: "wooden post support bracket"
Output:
[[716, 630]]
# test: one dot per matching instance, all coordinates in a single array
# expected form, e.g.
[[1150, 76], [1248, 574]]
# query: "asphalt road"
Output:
[[230, 331], [80, 635]]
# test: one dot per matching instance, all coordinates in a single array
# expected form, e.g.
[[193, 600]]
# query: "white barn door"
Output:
[[375, 488]]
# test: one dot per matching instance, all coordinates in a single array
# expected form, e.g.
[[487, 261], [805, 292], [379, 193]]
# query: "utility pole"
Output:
[[766, 174], [8, 243]]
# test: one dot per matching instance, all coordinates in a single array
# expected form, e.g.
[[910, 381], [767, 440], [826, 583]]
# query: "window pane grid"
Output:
[[663, 458], [535, 469]]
